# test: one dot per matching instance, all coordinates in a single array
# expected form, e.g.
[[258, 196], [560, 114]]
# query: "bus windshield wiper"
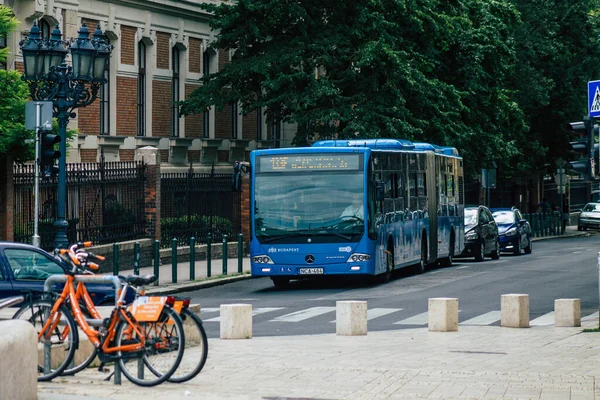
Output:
[[325, 230]]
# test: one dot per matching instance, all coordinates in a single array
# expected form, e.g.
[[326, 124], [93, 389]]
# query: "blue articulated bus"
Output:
[[354, 207]]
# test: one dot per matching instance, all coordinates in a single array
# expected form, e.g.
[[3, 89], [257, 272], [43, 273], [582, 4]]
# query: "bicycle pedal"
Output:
[[108, 378]]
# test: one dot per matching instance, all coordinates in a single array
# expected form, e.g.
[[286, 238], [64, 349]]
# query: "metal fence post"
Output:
[[224, 248], [192, 258], [136, 258], [156, 261], [208, 255], [174, 260], [116, 259], [240, 253]]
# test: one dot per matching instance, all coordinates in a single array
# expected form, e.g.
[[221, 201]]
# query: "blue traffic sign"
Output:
[[594, 98]]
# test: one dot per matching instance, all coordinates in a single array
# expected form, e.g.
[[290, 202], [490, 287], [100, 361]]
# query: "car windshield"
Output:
[[470, 216], [592, 207], [504, 217]]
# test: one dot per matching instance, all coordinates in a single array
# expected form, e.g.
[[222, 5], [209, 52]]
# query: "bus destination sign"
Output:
[[309, 162]]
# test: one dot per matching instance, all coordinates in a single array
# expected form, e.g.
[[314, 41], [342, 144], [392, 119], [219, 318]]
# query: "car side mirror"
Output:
[[522, 221]]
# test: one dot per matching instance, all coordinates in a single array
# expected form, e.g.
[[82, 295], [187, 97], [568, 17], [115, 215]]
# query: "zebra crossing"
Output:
[[211, 314]]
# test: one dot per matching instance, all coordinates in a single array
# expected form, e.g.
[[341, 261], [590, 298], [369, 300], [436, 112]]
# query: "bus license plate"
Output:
[[311, 271]]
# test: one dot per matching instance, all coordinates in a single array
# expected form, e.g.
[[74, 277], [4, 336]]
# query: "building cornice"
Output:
[[187, 9]]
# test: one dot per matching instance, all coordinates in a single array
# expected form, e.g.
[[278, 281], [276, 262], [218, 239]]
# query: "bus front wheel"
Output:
[[280, 282]]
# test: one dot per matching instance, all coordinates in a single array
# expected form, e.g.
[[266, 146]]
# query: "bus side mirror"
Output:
[[379, 190], [238, 169]]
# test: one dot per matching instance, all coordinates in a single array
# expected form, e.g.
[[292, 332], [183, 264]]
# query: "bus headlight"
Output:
[[262, 260], [358, 257]]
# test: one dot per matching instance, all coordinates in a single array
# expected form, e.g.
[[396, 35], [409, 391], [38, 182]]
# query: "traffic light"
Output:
[[584, 147], [48, 153]]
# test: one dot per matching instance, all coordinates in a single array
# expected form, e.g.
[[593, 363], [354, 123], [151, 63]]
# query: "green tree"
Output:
[[8, 23], [428, 70], [557, 46], [14, 93]]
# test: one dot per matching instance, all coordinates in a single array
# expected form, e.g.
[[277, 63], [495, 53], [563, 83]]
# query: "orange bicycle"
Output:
[[147, 342], [196, 341]]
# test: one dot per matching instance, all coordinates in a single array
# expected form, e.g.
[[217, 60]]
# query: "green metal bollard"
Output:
[[156, 261], [174, 260], [240, 252], [208, 255], [136, 258], [224, 254], [116, 259], [192, 258]]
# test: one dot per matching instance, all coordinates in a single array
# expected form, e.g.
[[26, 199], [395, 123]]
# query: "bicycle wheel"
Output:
[[164, 345], [84, 354], [196, 348], [56, 348]]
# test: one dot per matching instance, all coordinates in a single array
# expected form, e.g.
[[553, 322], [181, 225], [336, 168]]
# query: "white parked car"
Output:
[[589, 217]]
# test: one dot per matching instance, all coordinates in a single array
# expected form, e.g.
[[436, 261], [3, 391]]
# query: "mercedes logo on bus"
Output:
[[309, 259]]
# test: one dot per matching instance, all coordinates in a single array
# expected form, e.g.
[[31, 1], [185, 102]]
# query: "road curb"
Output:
[[186, 287]]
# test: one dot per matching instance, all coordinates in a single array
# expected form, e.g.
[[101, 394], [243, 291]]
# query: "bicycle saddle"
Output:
[[137, 280]]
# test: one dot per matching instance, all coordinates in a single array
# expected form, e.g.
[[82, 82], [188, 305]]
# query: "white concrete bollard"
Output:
[[236, 321], [514, 311], [567, 312], [351, 318], [443, 314], [19, 360]]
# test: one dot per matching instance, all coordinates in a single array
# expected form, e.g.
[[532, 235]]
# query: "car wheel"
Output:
[[496, 252], [480, 255], [528, 248], [579, 228]]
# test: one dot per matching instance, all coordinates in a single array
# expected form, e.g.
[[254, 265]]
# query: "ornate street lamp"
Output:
[[68, 87]]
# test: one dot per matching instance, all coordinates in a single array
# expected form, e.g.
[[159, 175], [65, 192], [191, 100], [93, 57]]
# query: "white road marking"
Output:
[[378, 312], [255, 311], [303, 314], [546, 319], [483, 319]]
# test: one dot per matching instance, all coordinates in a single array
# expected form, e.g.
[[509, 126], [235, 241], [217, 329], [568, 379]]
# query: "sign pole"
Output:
[[35, 240]]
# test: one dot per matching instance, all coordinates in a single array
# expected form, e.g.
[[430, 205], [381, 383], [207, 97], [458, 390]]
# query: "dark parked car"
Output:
[[25, 268], [515, 232], [589, 217], [481, 234]]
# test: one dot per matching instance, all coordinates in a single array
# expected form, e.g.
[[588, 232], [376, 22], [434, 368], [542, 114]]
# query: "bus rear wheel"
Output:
[[280, 282]]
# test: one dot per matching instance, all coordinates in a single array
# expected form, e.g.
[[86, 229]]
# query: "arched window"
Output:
[[141, 90], [175, 97]]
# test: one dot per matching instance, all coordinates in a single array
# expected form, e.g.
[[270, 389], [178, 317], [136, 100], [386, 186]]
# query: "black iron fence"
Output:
[[104, 203], [195, 204]]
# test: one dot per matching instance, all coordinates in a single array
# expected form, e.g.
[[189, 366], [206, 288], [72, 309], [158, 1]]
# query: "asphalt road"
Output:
[[558, 268]]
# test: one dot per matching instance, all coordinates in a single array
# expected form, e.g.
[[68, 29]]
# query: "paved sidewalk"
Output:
[[474, 363]]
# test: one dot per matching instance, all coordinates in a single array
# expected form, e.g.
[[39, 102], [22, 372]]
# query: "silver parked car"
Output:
[[589, 217]]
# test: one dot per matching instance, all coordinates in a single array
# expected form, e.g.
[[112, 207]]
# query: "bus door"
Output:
[[432, 174]]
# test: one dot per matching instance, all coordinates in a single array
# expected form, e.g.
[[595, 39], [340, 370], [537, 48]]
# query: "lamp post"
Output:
[[67, 86]]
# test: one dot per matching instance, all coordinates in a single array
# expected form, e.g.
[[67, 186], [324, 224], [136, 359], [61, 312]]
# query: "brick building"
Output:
[[161, 54]]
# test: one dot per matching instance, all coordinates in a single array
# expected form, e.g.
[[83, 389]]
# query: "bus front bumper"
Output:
[[357, 268]]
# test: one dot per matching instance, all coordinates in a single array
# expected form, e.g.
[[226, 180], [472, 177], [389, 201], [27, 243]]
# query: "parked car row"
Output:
[[490, 232]]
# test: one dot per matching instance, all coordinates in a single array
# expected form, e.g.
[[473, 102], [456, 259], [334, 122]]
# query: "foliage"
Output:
[[8, 23], [557, 43], [498, 79], [14, 138], [430, 70], [198, 226]]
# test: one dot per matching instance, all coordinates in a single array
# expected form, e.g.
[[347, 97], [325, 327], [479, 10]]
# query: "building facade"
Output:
[[161, 54]]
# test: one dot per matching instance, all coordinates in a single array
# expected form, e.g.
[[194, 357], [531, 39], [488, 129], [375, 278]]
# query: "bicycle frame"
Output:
[[119, 313]]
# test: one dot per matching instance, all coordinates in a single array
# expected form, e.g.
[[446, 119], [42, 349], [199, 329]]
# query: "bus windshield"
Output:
[[316, 207]]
